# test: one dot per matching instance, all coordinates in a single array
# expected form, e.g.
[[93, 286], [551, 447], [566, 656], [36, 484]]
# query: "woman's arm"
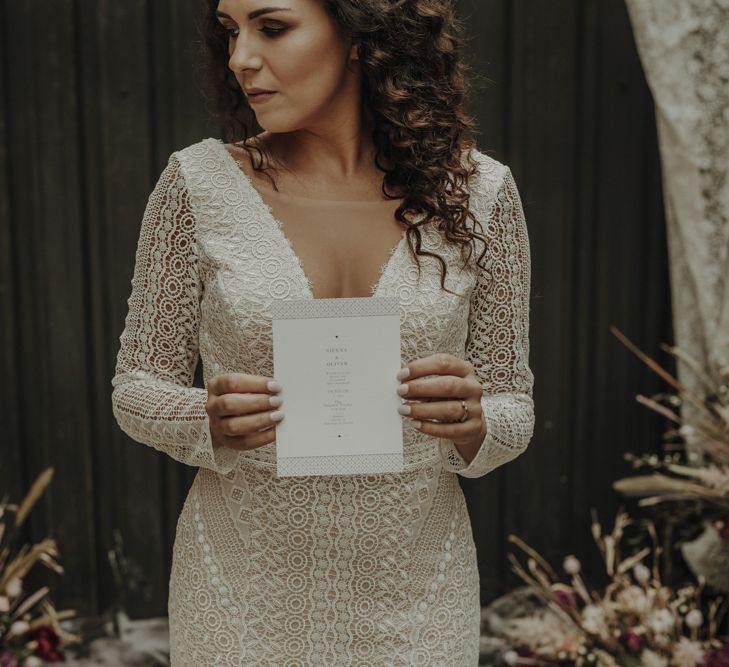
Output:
[[498, 339], [153, 399]]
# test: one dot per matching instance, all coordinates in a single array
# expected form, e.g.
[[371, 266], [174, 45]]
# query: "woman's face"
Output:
[[291, 47]]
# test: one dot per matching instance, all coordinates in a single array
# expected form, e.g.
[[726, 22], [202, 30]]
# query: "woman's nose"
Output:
[[243, 58]]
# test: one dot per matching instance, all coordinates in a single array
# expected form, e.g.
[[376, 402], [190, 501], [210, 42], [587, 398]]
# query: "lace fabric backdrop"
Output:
[[684, 47]]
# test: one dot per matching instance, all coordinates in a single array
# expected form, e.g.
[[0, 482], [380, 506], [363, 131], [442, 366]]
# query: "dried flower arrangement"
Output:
[[636, 622], [30, 630], [708, 432], [693, 472]]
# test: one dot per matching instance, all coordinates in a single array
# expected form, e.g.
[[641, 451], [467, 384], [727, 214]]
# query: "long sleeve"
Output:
[[153, 399], [497, 344]]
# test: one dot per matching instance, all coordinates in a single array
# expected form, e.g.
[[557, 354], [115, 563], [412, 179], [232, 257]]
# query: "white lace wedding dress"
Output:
[[322, 570]]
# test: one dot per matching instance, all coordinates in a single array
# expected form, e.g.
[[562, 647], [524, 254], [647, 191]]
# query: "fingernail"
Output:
[[417, 423], [402, 389], [277, 416], [403, 373], [274, 386], [404, 409], [275, 401]]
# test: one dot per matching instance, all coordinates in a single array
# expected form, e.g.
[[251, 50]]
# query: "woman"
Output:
[[361, 160]]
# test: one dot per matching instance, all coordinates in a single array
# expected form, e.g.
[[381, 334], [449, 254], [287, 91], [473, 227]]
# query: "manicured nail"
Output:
[[275, 401], [417, 423], [274, 386], [277, 416], [403, 373], [402, 389], [404, 409]]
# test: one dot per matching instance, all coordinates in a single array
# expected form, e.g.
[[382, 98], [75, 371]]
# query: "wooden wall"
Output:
[[96, 95]]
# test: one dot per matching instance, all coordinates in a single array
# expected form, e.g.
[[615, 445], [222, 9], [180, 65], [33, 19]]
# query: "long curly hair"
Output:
[[415, 85]]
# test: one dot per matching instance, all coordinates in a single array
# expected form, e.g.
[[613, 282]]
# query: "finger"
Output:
[[450, 431], [229, 405], [440, 363], [444, 386], [447, 411], [239, 383], [251, 440], [248, 423]]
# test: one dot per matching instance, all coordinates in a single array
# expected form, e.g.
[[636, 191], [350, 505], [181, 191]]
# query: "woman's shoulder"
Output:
[[200, 150], [490, 173], [214, 155], [207, 165]]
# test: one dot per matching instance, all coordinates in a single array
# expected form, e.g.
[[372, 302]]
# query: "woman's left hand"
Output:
[[455, 381]]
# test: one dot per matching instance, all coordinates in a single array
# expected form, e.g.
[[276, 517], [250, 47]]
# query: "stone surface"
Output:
[[141, 643]]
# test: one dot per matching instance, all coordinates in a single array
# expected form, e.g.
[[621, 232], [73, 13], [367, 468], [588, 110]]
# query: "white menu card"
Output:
[[336, 360]]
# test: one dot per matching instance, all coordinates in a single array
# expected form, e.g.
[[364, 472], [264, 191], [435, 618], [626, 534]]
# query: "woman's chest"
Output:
[[342, 248], [246, 262]]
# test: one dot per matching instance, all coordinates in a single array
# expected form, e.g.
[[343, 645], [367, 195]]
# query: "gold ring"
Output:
[[465, 412]]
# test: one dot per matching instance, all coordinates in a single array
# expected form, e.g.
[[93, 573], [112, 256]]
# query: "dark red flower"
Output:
[[722, 527], [718, 658], [7, 659], [565, 599], [48, 644], [632, 641]]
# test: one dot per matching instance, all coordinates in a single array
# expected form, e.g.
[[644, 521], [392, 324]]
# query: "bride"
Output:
[[345, 171]]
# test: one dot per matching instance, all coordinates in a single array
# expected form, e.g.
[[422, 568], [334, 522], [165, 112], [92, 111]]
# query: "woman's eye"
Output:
[[269, 32], [272, 32]]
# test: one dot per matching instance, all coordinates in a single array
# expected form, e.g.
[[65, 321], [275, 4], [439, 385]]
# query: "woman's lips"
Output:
[[260, 97]]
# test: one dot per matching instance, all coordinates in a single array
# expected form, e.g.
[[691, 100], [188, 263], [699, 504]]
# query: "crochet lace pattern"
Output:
[[318, 570]]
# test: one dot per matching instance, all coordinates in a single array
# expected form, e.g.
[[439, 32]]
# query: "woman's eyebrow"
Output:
[[256, 13]]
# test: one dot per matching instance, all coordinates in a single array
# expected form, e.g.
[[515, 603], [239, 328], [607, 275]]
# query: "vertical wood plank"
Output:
[[11, 454], [543, 158], [52, 364], [126, 135], [89, 19], [583, 435], [622, 242]]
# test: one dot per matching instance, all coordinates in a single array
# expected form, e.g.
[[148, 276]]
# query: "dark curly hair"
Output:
[[414, 84]]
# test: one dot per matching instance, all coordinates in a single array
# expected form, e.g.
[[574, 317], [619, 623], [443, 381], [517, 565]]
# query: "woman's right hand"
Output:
[[243, 410]]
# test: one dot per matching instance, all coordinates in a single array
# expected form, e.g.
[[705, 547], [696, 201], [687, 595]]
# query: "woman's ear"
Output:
[[354, 52]]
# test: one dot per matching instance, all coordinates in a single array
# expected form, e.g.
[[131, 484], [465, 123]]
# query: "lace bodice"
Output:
[[341, 569], [210, 251]]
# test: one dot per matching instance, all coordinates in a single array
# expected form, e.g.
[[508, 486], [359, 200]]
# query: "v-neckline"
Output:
[[274, 222]]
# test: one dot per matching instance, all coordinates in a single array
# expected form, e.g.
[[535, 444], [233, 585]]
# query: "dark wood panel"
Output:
[[126, 66], [545, 58], [12, 459], [88, 21], [625, 172], [586, 355], [52, 368]]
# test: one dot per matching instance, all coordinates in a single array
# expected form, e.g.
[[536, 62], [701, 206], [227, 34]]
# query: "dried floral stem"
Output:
[[544, 594], [39, 486], [656, 368], [680, 388], [515, 539], [660, 409], [31, 601], [691, 363]]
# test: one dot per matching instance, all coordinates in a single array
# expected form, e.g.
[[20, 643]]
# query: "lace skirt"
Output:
[[356, 570]]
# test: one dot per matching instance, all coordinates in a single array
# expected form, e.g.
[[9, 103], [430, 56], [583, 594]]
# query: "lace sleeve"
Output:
[[153, 399], [498, 339]]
